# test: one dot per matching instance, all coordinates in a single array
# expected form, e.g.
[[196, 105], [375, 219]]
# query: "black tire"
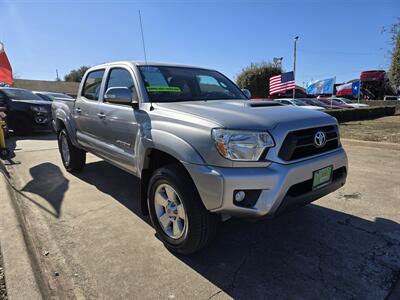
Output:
[[21, 125], [201, 226], [77, 157]]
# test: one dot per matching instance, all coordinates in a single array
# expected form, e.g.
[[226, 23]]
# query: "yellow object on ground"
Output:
[[4, 152]]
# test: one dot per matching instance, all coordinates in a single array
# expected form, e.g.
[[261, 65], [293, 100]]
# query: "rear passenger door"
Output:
[[117, 125]]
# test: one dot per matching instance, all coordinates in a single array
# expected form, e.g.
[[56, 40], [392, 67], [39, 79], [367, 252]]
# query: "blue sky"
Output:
[[337, 38]]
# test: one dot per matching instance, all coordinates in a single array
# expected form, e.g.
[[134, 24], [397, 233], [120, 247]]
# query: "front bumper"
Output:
[[282, 186]]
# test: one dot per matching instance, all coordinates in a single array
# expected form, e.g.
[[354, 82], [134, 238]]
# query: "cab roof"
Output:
[[149, 63]]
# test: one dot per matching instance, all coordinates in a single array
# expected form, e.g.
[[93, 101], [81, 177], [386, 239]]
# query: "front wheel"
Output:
[[177, 213], [73, 158]]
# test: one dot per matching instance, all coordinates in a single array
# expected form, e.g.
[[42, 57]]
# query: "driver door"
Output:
[[117, 125]]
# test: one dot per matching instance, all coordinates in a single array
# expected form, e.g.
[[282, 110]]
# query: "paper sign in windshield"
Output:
[[164, 89]]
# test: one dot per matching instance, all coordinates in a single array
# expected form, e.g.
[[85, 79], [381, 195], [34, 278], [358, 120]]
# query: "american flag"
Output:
[[281, 83]]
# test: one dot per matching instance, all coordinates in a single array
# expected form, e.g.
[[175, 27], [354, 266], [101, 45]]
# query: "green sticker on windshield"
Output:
[[163, 89]]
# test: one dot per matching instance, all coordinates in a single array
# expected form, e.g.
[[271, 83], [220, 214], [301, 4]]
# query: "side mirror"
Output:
[[120, 95], [247, 93]]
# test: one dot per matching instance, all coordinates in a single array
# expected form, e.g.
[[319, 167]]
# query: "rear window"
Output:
[[91, 88]]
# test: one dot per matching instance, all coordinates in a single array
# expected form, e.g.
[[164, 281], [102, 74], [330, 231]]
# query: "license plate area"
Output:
[[322, 177]]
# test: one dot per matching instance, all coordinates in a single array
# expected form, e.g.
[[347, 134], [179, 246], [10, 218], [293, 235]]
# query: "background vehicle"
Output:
[[202, 149], [299, 103], [316, 102], [334, 104], [391, 98], [348, 102], [25, 111], [375, 84], [49, 96]]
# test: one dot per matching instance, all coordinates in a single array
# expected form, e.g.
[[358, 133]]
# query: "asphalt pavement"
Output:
[[89, 239]]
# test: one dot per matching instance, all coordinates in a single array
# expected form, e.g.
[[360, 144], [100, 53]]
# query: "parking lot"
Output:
[[91, 241]]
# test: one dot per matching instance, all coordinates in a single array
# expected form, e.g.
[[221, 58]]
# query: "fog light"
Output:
[[239, 196]]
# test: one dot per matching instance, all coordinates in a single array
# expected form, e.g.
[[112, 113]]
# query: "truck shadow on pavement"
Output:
[[48, 182], [312, 253]]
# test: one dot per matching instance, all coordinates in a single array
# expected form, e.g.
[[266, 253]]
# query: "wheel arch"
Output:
[[154, 159], [61, 122]]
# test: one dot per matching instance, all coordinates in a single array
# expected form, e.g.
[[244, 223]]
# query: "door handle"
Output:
[[101, 115], [78, 110]]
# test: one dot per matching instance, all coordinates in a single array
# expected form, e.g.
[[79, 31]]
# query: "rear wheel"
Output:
[[177, 213], [73, 158]]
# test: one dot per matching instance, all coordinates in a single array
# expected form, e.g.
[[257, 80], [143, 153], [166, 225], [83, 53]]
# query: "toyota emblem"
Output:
[[320, 139]]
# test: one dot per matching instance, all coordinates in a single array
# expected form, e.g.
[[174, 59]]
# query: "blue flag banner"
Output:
[[323, 86], [355, 88]]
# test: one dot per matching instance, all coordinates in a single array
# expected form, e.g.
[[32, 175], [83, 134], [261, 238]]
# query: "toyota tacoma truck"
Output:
[[202, 149]]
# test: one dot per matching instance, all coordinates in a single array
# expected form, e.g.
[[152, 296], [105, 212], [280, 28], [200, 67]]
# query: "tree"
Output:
[[394, 71], [76, 75], [256, 78]]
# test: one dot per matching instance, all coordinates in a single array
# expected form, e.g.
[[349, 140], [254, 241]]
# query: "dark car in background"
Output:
[[49, 96], [25, 111]]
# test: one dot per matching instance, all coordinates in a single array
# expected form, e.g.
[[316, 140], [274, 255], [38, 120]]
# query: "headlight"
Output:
[[241, 144], [39, 109]]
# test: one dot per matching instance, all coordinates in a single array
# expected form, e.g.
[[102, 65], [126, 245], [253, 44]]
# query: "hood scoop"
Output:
[[263, 103]]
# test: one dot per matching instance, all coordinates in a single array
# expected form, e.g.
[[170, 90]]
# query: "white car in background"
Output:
[[348, 102], [299, 103]]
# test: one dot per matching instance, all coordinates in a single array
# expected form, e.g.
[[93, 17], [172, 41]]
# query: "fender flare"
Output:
[[62, 118], [170, 144]]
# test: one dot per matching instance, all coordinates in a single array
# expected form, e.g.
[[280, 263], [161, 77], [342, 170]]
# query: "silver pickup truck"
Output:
[[204, 152]]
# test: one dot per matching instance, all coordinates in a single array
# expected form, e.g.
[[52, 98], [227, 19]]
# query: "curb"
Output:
[[49, 276], [21, 279]]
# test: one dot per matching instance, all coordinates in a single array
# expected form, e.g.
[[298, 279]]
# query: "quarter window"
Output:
[[91, 89]]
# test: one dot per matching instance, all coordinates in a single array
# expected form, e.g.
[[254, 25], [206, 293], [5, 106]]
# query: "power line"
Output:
[[339, 52]]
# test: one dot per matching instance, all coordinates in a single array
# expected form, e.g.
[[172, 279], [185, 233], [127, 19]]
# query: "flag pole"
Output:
[[359, 92], [294, 65]]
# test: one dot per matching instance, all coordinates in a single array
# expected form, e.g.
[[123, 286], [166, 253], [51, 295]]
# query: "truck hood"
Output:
[[36, 102], [243, 114]]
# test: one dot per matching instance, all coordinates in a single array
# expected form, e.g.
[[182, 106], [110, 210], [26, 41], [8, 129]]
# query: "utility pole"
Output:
[[57, 78], [294, 65]]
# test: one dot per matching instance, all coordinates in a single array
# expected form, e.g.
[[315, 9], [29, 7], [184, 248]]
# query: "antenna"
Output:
[[144, 50], [141, 30]]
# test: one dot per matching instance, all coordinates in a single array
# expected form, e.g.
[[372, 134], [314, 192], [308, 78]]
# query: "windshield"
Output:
[[299, 102], [21, 94], [172, 84], [45, 97], [336, 102], [315, 102], [346, 101]]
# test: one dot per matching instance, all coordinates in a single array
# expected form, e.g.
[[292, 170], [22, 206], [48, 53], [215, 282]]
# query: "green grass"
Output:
[[386, 129]]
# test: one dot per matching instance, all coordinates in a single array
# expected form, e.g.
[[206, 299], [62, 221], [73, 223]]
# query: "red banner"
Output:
[[5, 67]]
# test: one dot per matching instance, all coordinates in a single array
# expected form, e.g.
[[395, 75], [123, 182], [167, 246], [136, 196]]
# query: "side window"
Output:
[[91, 88], [119, 77]]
